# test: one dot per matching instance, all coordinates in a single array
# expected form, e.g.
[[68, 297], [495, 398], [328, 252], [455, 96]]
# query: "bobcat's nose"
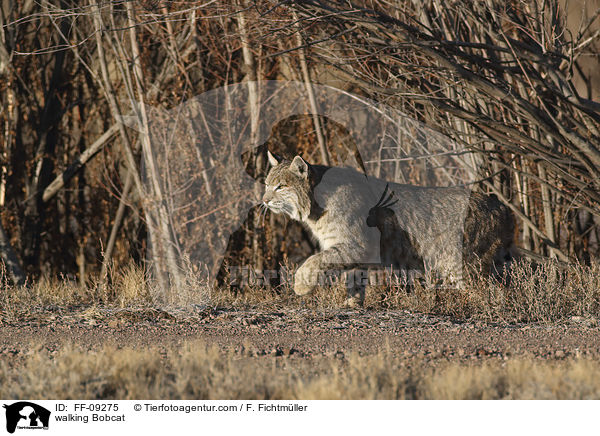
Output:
[[267, 197]]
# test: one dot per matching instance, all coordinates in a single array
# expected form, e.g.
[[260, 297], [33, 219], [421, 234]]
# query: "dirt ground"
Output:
[[297, 333]]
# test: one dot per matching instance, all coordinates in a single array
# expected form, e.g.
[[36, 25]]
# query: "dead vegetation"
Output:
[[513, 82], [199, 371], [545, 292]]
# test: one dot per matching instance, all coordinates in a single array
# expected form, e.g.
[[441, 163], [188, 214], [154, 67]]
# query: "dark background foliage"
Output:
[[515, 81]]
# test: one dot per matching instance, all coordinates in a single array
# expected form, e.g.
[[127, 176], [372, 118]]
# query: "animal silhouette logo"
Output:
[[27, 415]]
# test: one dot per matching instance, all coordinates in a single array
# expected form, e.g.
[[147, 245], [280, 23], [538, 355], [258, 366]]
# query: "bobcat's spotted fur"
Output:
[[446, 228]]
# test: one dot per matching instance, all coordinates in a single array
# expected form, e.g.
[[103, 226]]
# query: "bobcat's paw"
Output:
[[302, 289], [304, 282], [302, 286]]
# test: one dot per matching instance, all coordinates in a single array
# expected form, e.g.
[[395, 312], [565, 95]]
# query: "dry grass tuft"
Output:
[[127, 287], [198, 371], [574, 379], [130, 287], [533, 292]]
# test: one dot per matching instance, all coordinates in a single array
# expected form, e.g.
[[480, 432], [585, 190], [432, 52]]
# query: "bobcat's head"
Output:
[[288, 187]]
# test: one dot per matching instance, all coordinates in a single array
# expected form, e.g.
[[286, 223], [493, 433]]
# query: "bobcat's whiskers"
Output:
[[262, 213]]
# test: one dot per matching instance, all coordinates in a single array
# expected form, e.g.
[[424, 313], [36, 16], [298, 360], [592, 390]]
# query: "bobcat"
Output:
[[437, 230]]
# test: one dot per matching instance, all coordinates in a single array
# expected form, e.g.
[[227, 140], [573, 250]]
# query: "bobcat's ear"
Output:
[[273, 159], [300, 167]]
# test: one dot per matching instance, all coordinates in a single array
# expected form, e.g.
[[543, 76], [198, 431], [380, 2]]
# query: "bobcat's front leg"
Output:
[[337, 257], [307, 276]]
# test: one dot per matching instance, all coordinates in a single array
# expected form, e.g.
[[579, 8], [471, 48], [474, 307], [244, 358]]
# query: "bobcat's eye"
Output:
[[278, 187]]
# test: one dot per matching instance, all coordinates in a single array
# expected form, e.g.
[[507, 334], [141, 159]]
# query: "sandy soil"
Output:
[[298, 333]]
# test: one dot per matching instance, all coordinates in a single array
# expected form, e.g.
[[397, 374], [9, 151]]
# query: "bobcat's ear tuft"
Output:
[[300, 167], [273, 159]]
